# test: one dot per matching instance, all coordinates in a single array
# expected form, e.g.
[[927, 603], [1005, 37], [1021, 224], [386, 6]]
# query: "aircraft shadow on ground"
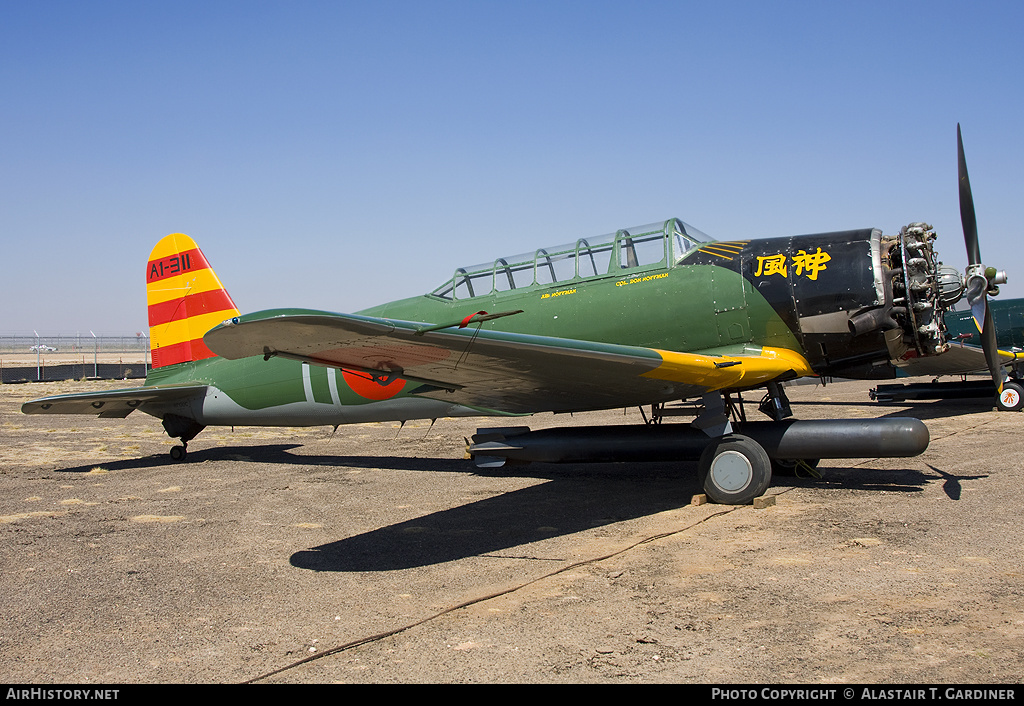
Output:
[[936, 409], [575, 498], [951, 483], [271, 453], [919, 409], [836, 476]]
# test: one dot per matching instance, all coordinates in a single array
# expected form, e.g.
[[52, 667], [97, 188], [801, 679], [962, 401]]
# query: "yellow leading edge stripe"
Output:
[[745, 371]]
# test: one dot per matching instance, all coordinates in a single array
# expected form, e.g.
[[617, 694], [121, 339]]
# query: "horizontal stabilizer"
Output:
[[113, 403]]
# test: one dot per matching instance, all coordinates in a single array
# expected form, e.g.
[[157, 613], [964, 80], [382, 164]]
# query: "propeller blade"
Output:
[[967, 217], [983, 321], [988, 344], [977, 281], [978, 311]]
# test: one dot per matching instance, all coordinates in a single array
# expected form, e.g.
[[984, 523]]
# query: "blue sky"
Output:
[[337, 155]]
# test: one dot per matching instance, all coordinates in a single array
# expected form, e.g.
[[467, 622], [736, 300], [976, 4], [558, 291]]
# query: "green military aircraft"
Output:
[[641, 316], [1008, 316], [962, 331]]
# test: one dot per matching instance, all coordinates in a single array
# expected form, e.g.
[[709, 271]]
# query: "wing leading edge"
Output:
[[498, 370], [962, 359]]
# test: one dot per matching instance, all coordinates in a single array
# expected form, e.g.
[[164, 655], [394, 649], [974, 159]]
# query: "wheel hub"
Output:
[[1009, 397], [731, 471]]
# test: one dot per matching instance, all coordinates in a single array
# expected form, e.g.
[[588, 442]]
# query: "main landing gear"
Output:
[[735, 465], [178, 427], [1011, 399], [734, 469]]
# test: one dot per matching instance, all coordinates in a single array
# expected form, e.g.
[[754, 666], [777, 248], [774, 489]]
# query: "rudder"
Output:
[[185, 298]]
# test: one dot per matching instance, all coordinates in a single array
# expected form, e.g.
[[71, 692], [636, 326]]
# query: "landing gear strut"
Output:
[[178, 427], [796, 467]]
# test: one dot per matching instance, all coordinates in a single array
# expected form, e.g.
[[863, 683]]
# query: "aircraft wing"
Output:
[[112, 403], [960, 359], [497, 370]]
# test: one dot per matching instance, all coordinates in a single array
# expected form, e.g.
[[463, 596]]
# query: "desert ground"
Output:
[[377, 553]]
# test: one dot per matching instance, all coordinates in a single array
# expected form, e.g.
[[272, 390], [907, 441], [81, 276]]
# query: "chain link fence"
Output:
[[49, 357]]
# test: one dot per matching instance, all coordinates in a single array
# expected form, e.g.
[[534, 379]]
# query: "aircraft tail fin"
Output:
[[185, 298]]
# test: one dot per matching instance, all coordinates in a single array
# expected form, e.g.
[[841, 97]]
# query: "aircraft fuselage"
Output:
[[828, 296]]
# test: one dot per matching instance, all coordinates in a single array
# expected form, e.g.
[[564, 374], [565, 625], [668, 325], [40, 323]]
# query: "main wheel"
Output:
[[1011, 399], [734, 470], [178, 453]]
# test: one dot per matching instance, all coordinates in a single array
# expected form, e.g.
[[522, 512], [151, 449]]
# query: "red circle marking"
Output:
[[365, 386]]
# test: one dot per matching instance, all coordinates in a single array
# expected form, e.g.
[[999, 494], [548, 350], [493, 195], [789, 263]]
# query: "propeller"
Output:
[[980, 280]]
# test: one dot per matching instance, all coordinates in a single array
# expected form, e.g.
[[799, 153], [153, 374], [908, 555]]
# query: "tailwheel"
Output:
[[1011, 399], [182, 428], [734, 470]]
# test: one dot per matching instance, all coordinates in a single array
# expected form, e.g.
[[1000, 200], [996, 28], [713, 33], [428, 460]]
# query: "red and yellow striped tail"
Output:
[[186, 299]]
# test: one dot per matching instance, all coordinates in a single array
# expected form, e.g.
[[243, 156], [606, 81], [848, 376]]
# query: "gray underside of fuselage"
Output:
[[218, 409]]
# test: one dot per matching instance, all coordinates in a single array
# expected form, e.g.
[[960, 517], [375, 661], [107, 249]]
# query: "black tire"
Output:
[[1011, 399], [795, 467], [734, 470], [178, 453]]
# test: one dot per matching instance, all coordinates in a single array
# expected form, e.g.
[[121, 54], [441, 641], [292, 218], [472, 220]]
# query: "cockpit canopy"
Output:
[[661, 243]]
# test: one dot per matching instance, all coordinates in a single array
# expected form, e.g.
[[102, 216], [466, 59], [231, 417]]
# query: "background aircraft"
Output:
[[640, 316], [1007, 315], [962, 332]]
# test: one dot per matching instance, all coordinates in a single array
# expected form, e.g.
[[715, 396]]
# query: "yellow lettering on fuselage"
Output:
[[640, 280], [563, 292], [804, 263]]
